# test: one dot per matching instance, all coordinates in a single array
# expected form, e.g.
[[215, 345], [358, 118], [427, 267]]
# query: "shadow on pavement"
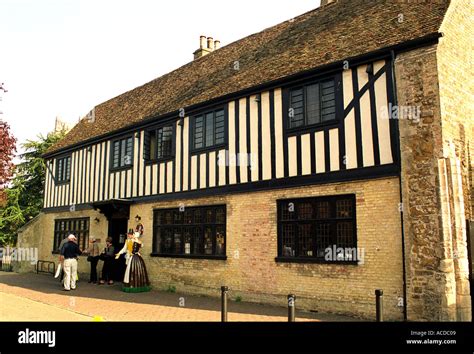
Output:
[[46, 283]]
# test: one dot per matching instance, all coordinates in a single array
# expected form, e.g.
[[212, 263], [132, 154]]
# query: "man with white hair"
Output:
[[70, 252]]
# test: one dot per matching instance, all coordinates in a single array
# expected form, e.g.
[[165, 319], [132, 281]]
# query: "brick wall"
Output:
[[40, 234], [252, 273]]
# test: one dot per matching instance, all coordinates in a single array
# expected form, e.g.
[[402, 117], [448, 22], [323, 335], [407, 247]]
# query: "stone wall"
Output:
[[456, 87], [435, 181]]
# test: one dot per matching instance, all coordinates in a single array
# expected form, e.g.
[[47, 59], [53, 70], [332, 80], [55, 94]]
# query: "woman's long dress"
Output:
[[136, 277]]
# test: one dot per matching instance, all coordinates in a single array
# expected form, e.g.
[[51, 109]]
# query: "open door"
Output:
[[117, 212], [118, 232]]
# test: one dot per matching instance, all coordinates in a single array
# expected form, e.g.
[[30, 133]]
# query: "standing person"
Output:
[[108, 257], [93, 253], [61, 258], [70, 252], [136, 277]]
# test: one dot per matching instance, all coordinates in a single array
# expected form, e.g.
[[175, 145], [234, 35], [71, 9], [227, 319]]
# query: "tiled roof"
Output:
[[340, 30]]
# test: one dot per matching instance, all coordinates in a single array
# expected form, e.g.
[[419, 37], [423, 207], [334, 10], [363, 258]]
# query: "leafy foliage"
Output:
[[7, 153], [24, 197]]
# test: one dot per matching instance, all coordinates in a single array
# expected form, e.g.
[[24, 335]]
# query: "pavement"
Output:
[[39, 297]]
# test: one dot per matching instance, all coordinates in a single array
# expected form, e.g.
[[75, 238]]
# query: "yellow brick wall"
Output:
[[251, 271], [40, 234]]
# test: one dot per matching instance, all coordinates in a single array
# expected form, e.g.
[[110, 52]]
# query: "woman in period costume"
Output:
[[136, 277]]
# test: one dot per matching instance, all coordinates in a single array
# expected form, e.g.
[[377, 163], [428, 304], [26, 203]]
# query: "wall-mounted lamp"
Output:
[[137, 135], [97, 220], [257, 98], [181, 122], [89, 149], [137, 218]]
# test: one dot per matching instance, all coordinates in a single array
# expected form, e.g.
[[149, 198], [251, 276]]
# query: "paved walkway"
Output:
[[38, 297], [17, 308]]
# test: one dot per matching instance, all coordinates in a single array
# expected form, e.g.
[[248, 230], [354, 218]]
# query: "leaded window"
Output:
[[78, 227], [63, 169], [160, 143], [313, 228], [192, 231], [122, 153], [312, 104], [208, 129]]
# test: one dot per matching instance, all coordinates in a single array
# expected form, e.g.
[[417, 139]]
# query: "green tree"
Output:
[[25, 194]]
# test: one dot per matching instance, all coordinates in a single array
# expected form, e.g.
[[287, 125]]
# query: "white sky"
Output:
[[63, 57]]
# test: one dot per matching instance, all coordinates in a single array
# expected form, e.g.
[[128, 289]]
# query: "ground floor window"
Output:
[[188, 232], [79, 227], [319, 228]]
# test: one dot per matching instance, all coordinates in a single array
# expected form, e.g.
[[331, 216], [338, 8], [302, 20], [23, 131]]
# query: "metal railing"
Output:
[[50, 267]]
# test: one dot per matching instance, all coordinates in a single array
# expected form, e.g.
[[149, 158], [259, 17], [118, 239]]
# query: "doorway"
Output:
[[118, 232], [117, 212]]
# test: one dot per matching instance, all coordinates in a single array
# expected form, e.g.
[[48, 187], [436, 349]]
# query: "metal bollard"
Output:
[[224, 290], [291, 308], [379, 305]]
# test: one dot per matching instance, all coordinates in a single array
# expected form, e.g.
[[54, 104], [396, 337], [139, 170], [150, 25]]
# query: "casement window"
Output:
[[208, 130], [63, 169], [312, 104], [79, 227], [122, 153], [321, 229], [194, 232], [159, 143]]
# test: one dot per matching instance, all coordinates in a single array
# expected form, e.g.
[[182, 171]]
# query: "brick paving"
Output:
[[45, 301]]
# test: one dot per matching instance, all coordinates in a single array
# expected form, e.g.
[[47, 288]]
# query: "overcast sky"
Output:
[[63, 57]]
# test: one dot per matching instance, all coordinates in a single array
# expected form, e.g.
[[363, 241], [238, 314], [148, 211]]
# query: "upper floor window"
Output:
[[122, 153], [160, 143], [320, 228], [311, 104], [63, 169], [208, 129]]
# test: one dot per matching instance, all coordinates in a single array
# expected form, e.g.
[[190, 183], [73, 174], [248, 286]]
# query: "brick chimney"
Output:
[[206, 46]]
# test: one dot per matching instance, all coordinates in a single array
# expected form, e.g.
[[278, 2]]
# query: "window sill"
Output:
[[313, 127], [208, 149], [312, 260], [118, 169], [189, 256], [155, 161]]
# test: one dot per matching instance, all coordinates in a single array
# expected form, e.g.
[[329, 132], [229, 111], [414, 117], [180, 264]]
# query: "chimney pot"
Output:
[[326, 2], [217, 44], [202, 41], [210, 43]]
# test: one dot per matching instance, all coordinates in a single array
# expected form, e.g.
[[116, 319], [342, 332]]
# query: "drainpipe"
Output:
[[395, 98]]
